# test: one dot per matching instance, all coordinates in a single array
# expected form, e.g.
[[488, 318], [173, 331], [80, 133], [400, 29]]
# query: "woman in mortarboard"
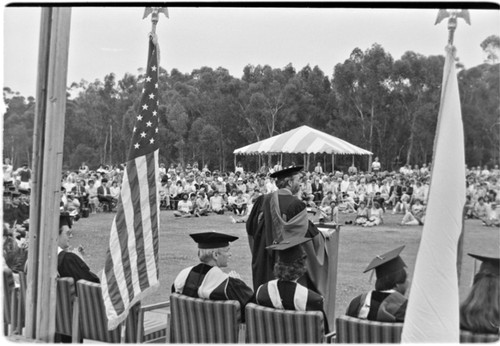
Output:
[[206, 279], [285, 292], [480, 311], [387, 302]]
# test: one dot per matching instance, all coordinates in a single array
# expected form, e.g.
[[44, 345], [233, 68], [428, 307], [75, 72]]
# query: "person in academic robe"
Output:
[[206, 279], [480, 311], [387, 302], [70, 263], [284, 292], [279, 216]]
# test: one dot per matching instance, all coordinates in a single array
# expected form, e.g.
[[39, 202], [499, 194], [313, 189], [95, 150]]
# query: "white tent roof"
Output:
[[302, 140]]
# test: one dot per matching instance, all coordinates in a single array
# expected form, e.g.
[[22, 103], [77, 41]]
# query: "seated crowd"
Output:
[[198, 193]]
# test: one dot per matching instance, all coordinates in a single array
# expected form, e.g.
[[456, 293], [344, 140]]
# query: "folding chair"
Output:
[[65, 300], [196, 320], [268, 325], [467, 337], [354, 330], [91, 321], [10, 301]]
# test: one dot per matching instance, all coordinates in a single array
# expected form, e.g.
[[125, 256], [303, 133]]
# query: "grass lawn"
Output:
[[358, 246]]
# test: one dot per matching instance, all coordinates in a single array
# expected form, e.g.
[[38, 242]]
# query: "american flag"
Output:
[[131, 267]]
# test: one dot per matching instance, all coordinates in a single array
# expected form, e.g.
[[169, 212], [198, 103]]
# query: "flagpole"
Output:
[[47, 165]]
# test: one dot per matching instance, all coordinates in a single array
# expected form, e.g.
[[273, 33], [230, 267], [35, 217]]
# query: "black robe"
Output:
[[384, 306], [208, 282], [71, 265], [289, 295], [261, 235]]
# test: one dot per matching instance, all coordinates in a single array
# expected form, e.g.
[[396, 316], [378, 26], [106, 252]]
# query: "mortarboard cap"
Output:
[[6, 193], [490, 263], [15, 194], [65, 220], [387, 263], [289, 250], [287, 172], [212, 240]]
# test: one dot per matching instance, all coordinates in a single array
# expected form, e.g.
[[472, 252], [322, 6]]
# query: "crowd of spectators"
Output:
[[193, 192]]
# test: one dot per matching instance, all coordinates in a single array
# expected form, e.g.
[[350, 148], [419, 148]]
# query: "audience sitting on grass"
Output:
[[184, 207], [361, 214], [376, 216], [394, 190], [415, 215], [481, 209], [493, 218]]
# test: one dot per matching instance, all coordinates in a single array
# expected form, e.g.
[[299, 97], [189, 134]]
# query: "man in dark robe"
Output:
[[71, 264], [387, 302], [206, 279], [279, 216]]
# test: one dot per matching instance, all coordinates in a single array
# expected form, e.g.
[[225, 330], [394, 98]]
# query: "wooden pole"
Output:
[[333, 163], [47, 165]]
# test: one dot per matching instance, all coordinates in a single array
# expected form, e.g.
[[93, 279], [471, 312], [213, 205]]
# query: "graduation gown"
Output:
[[383, 306], [71, 265], [208, 282], [277, 216], [289, 295]]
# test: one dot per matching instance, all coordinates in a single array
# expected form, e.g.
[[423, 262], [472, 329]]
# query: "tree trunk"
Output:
[[371, 138]]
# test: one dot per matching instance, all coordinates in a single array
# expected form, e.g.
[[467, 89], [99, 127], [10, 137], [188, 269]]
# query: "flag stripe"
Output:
[[137, 167]]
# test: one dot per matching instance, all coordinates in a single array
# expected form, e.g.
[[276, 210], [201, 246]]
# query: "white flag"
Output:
[[432, 314]]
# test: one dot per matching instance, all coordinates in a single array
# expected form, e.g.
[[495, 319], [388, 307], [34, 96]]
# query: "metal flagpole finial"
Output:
[[452, 21], [154, 11]]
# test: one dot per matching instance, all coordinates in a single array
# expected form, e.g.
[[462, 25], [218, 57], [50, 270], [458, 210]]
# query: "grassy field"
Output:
[[358, 246]]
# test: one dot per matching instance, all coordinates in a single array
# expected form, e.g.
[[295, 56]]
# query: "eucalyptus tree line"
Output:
[[371, 100]]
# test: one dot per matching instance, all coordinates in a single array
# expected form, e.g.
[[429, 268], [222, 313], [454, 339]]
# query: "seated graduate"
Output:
[[71, 263], [207, 280], [387, 302], [480, 311], [284, 292]]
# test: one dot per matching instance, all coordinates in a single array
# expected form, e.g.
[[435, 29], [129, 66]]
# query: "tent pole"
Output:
[[235, 162], [333, 161]]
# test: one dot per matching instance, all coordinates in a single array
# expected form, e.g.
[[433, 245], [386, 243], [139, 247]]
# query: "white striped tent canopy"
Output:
[[302, 140]]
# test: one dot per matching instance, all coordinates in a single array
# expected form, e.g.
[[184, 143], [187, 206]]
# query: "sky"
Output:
[[114, 39]]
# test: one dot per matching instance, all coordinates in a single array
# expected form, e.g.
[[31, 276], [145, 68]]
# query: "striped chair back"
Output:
[[195, 320], [93, 322], [467, 337], [355, 330], [8, 298], [23, 285], [65, 297], [268, 325]]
